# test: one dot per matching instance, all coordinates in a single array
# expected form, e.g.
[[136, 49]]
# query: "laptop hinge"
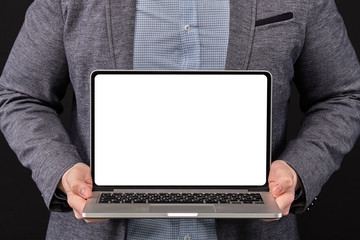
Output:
[[119, 190]]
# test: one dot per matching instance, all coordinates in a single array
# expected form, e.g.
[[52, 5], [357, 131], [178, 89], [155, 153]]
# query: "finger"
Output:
[[79, 174], [76, 202], [276, 171], [284, 202], [77, 214], [270, 220], [282, 185], [94, 220], [275, 189], [86, 173], [285, 183], [79, 186], [279, 169]]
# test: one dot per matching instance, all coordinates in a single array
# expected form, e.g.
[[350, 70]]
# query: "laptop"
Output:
[[181, 144]]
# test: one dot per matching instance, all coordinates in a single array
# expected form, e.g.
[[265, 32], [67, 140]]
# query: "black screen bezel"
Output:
[[234, 72]]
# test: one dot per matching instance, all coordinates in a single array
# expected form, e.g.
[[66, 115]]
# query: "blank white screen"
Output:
[[180, 129]]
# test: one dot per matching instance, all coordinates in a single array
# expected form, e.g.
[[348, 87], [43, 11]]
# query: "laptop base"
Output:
[[267, 210]]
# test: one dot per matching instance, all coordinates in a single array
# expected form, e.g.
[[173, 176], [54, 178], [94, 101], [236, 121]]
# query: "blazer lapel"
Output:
[[121, 28], [242, 28]]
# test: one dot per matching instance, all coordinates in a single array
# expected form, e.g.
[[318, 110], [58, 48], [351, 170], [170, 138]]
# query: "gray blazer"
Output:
[[62, 41]]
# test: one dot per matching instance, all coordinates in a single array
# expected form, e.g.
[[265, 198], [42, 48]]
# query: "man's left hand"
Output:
[[283, 182]]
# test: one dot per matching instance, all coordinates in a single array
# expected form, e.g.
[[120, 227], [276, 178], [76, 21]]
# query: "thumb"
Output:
[[79, 181], [281, 186], [277, 190], [280, 178], [79, 187], [85, 191]]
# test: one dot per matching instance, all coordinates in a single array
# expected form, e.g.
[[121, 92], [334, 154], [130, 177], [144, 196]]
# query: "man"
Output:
[[66, 40]]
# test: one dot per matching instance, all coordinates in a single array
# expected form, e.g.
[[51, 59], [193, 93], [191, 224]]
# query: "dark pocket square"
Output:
[[274, 19]]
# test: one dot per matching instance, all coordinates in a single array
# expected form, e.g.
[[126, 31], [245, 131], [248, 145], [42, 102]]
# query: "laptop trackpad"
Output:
[[174, 208]]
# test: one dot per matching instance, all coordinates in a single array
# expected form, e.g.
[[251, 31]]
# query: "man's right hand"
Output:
[[76, 183]]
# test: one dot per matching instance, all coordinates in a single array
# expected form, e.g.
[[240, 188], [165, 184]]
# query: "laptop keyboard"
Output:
[[182, 198]]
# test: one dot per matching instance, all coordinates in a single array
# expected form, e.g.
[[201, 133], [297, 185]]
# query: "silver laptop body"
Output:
[[181, 144]]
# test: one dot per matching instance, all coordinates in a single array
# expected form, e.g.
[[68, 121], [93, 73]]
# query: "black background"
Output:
[[23, 215]]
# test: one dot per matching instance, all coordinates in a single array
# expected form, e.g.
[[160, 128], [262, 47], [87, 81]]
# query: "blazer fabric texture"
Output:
[[63, 41]]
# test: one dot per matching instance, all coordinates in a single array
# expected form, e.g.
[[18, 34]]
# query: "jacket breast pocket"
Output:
[[274, 19], [276, 47], [275, 43]]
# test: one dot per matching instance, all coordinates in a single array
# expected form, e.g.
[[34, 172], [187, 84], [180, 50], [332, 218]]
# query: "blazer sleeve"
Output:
[[32, 84], [328, 80]]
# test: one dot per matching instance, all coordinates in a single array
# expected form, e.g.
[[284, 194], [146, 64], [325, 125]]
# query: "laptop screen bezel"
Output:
[[237, 72]]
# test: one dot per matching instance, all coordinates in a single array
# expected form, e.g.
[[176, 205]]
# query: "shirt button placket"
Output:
[[189, 35]]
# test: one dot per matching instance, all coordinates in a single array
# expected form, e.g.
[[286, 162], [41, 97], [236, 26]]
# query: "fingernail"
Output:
[[277, 190], [84, 192]]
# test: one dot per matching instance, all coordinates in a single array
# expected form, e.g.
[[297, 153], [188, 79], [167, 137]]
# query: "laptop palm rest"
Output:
[[174, 208]]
